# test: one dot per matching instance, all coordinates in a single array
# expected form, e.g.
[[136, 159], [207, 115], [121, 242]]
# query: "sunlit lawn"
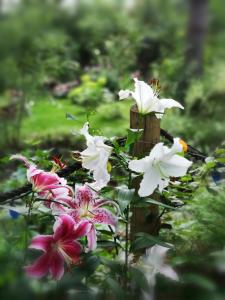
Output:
[[48, 118]]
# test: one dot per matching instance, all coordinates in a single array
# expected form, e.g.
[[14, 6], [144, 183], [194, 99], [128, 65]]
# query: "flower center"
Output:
[[85, 212]]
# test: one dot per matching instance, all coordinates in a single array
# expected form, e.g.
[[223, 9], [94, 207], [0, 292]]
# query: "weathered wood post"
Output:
[[144, 219]]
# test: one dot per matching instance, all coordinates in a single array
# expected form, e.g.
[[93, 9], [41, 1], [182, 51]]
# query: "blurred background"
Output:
[[64, 61]]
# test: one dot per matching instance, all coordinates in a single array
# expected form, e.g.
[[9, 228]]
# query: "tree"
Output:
[[197, 29]]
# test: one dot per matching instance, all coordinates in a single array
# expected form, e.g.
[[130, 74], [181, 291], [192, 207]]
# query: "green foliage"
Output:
[[145, 240], [90, 93], [102, 45]]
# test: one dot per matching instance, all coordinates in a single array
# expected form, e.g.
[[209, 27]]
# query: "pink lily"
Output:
[[59, 247], [60, 194], [86, 206], [46, 184]]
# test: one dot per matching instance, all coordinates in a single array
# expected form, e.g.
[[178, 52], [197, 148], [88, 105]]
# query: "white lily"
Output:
[[147, 99], [157, 168], [152, 263], [95, 158]]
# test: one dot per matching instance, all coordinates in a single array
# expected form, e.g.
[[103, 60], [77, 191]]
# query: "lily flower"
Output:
[[147, 99], [158, 166], [95, 158], [45, 184], [58, 194], [152, 263], [58, 248], [86, 206]]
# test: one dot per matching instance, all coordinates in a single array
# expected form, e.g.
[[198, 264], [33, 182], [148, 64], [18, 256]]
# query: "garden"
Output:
[[112, 157]]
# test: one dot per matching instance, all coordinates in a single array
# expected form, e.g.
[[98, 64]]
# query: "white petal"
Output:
[[164, 182], [140, 165], [99, 143], [101, 177], [157, 251], [157, 151], [90, 158], [151, 279], [169, 103], [159, 116], [123, 94], [149, 183], [144, 96], [176, 148], [155, 257], [169, 272], [176, 166], [84, 131]]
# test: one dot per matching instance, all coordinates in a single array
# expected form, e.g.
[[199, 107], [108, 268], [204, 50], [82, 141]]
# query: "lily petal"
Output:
[[84, 195], [71, 251], [85, 132], [63, 227], [23, 159], [92, 239], [82, 229], [101, 177], [56, 267], [140, 165], [123, 94], [176, 166], [169, 272], [169, 103], [39, 268], [103, 216], [41, 242], [143, 95], [149, 183]]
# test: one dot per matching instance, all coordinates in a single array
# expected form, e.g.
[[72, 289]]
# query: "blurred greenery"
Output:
[[59, 60]]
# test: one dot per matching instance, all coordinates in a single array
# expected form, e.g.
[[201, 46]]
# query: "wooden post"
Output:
[[144, 219]]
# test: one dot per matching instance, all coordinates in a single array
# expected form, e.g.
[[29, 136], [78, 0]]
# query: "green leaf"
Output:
[[116, 146], [133, 136], [200, 281], [221, 160], [116, 288], [70, 117], [108, 244], [90, 263], [152, 201], [143, 202], [220, 151], [115, 266], [124, 197], [139, 278], [145, 240]]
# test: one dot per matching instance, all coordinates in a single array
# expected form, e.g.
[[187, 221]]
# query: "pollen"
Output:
[[184, 145], [109, 167]]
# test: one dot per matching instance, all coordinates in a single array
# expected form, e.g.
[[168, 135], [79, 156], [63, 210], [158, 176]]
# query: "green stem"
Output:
[[127, 239], [114, 239]]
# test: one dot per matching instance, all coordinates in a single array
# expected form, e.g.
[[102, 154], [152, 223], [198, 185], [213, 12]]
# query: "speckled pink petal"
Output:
[[103, 216], [92, 239], [84, 195]]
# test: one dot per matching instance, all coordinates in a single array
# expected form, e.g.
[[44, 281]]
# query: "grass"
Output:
[[48, 119]]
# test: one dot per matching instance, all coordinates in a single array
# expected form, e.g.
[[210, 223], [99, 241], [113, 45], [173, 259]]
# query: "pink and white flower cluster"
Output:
[[76, 216]]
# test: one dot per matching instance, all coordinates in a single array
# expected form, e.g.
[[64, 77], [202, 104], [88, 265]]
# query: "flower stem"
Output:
[[127, 239]]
